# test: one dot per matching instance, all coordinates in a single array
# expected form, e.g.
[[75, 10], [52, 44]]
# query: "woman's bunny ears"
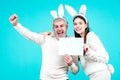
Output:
[[60, 12], [72, 12]]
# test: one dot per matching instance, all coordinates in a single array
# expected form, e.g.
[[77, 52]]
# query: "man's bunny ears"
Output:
[[60, 13], [72, 12]]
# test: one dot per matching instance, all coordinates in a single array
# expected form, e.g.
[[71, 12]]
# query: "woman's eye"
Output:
[[80, 23], [75, 23]]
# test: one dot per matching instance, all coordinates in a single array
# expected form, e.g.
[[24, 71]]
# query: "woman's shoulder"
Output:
[[91, 34]]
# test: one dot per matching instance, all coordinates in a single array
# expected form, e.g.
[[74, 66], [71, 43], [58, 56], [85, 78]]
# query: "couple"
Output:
[[54, 66]]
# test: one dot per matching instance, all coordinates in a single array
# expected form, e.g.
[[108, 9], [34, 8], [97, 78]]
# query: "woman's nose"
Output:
[[76, 26]]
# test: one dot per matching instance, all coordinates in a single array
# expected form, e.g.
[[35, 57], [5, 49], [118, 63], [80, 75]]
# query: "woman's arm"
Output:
[[96, 50]]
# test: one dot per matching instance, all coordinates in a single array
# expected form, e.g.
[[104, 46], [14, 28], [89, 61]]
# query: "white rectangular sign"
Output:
[[71, 46]]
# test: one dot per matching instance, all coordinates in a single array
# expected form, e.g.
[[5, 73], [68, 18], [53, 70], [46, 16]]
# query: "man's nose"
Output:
[[59, 28]]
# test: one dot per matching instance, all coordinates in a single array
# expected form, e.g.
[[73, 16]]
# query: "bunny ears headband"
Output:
[[70, 10], [82, 11], [60, 13]]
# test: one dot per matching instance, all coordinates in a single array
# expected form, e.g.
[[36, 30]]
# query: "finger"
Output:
[[49, 33], [68, 59], [13, 17], [69, 62]]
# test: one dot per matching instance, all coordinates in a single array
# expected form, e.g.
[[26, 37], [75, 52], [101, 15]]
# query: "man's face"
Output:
[[60, 28]]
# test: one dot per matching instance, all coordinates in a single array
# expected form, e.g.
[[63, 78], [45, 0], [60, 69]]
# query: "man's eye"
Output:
[[55, 26], [61, 26]]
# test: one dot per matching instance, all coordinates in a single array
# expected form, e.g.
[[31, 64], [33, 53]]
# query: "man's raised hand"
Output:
[[13, 19]]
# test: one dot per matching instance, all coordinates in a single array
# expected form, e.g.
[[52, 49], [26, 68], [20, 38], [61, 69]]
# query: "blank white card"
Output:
[[71, 46]]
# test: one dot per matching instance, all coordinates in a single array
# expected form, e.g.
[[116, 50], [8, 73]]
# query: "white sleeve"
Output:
[[97, 51], [30, 35], [74, 68]]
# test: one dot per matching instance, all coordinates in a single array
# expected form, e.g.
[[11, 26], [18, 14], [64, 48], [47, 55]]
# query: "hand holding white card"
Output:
[[71, 46]]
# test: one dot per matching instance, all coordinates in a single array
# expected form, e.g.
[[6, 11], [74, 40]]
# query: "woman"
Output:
[[95, 58]]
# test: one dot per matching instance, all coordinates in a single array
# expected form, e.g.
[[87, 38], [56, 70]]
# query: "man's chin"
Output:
[[60, 36]]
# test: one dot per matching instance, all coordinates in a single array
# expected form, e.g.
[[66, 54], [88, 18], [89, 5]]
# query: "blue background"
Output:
[[20, 59]]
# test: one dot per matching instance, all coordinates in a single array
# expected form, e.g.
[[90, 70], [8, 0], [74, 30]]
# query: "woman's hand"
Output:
[[86, 48]]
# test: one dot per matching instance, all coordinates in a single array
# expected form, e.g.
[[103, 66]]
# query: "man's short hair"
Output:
[[59, 19]]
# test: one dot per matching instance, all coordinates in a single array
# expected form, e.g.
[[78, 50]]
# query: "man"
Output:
[[54, 66]]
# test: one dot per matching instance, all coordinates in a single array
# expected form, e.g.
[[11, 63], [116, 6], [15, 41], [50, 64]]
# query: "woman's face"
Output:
[[79, 25]]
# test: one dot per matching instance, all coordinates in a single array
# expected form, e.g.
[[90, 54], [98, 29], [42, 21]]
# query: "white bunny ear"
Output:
[[70, 10], [61, 11], [83, 9], [54, 14]]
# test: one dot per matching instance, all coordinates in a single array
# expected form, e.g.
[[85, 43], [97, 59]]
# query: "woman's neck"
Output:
[[82, 34]]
